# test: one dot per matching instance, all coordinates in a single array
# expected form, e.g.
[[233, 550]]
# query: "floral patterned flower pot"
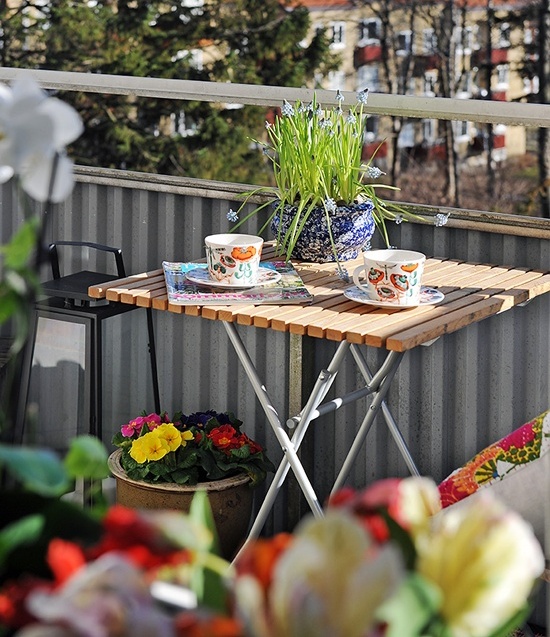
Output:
[[352, 227], [230, 499]]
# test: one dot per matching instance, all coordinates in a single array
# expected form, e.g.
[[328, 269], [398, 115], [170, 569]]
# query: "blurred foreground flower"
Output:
[[34, 130], [379, 564], [484, 560], [330, 581], [386, 561]]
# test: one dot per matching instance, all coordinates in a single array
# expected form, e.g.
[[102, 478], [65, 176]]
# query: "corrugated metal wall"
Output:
[[450, 399]]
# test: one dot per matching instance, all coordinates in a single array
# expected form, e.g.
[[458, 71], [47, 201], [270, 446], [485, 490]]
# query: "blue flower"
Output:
[[339, 96], [362, 96], [373, 172], [287, 109], [343, 274], [330, 204], [232, 215], [441, 219]]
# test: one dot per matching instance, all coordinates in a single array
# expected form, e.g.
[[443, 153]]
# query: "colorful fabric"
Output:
[[501, 459]]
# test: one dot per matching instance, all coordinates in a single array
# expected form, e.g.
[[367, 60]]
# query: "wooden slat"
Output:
[[461, 298], [473, 313], [100, 291]]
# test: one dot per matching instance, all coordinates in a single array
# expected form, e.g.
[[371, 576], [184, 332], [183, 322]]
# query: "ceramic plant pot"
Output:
[[230, 499], [352, 227]]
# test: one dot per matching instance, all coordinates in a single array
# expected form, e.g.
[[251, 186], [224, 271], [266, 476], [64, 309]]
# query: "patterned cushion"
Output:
[[495, 463]]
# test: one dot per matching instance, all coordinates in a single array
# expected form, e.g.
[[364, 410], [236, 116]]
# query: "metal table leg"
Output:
[[376, 384], [271, 413]]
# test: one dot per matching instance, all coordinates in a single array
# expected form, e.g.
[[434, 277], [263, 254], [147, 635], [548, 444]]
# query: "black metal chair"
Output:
[[67, 300]]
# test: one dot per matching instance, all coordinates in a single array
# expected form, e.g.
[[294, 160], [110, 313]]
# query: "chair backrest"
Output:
[[75, 286], [54, 257]]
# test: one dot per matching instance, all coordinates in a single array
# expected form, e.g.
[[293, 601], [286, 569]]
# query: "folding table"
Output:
[[473, 292]]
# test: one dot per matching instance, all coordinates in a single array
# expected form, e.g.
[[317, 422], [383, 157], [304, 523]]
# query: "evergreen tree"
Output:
[[244, 41]]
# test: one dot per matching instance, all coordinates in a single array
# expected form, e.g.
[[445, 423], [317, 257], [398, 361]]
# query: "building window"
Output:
[[369, 31], [368, 77], [429, 129], [504, 35], [430, 78], [461, 129], [467, 39], [371, 129], [406, 136], [429, 41], [338, 34], [503, 75], [336, 81], [403, 42]]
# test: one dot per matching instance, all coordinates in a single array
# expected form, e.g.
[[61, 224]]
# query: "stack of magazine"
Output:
[[289, 288]]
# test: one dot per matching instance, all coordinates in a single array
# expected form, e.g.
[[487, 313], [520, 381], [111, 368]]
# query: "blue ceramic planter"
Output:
[[352, 227]]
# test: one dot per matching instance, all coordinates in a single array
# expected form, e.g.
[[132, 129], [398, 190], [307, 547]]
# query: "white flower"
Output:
[[106, 598], [331, 581], [33, 129], [485, 560]]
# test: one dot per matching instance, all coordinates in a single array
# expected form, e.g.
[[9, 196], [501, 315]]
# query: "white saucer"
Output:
[[428, 296], [201, 276]]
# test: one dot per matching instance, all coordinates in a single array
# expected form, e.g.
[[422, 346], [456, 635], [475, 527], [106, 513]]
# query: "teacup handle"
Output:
[[356, 279]]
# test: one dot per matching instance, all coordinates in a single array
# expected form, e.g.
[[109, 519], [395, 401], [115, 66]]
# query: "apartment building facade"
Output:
[[470, 49]]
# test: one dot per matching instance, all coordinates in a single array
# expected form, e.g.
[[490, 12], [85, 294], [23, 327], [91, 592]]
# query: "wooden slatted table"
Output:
[[473, 292]]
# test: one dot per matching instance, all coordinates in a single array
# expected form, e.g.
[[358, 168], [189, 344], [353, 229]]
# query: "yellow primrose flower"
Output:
[[172, 435], [151, 446], [485, 560]]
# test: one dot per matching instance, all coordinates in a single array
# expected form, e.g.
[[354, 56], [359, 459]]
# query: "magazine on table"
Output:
[[289, 288]]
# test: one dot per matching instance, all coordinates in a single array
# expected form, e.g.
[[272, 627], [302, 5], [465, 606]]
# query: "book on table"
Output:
[[289, 288]]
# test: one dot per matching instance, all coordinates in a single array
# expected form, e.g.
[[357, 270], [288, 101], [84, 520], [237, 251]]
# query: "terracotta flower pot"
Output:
[[230, 499]]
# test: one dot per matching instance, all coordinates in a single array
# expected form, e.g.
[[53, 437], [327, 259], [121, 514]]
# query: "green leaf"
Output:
[[412, 607], [517, 620], [87, 458], [39, 470], [23, 531], [19, 249]]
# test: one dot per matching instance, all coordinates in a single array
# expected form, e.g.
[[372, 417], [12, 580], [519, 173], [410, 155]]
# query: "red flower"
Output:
[[13, 612], [194, 625], [224, 437], [64, 559], [368, 505], [129, 533], [259, 558]]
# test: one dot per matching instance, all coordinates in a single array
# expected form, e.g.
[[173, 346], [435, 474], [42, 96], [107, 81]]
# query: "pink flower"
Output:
[[136, 425]]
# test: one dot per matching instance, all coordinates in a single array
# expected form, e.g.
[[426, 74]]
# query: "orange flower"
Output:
[[223, 437], [243, 254], [259, 558]]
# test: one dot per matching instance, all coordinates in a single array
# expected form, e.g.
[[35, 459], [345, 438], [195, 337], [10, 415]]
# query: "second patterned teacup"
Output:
[[391, 276]]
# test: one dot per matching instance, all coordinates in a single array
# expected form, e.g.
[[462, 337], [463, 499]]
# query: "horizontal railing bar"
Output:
[[510, 113], [517, 225]]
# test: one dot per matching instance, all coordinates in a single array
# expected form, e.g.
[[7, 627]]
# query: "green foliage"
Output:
[[412, 608], [317, 161], [249, 41]]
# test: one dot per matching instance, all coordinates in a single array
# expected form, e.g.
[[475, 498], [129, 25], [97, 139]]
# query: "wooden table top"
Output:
[[473, 291]]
